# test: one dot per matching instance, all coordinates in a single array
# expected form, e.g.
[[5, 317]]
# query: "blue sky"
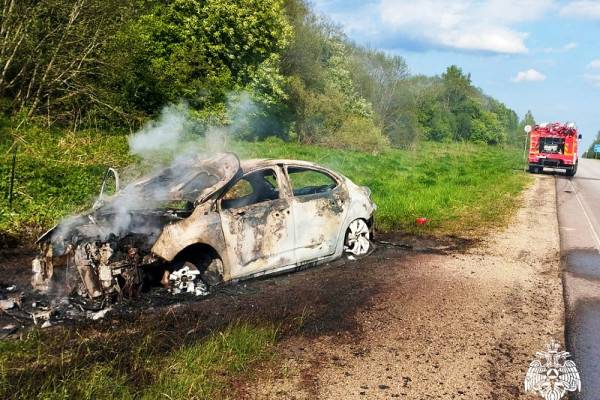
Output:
[[538, 55]]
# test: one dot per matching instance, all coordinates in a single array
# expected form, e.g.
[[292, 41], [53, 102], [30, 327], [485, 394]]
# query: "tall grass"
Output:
[[38, 367], [460, 187]]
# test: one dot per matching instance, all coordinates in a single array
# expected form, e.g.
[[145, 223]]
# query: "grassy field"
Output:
[[461, 188], [117, 366]]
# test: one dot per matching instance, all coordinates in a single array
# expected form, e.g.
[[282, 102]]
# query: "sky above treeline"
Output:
[[538, 55]]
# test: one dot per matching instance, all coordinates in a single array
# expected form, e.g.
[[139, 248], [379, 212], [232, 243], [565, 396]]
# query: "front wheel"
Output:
[[572, 171], [357, 238]]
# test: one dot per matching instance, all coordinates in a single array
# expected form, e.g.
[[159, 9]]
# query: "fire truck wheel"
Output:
[[532, 169]]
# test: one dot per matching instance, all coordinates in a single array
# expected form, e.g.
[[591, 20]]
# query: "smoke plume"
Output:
[[163, 135], [169, 147]]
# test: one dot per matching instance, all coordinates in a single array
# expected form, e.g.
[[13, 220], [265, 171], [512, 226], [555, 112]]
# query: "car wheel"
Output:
[[357, 238]]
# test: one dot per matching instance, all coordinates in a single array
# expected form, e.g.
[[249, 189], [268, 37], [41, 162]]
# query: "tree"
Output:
[[383, 80], [325, 99], [51, 54], [508, 119], [590, 152], [78, 60], [488, 129], [199, 51], [528, 119]]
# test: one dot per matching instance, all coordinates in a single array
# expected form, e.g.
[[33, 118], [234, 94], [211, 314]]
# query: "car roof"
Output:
[[249, 165]]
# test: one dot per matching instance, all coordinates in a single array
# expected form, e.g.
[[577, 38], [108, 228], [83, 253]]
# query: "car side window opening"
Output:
[[306, 181], [254, 188]]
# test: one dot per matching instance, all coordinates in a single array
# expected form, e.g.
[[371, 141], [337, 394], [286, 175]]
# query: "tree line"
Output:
[[590, 151], [114, 64]]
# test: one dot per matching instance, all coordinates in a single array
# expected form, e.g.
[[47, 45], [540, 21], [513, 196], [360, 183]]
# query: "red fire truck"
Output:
[[553, 147]]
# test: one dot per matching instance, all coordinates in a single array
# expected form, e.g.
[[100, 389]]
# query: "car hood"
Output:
[[190, 179], [144, 206]]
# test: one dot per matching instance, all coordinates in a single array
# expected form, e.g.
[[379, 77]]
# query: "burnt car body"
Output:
[[223, 219]]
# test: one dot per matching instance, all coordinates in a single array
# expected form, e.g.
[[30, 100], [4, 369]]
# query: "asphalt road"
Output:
[[579, 223]]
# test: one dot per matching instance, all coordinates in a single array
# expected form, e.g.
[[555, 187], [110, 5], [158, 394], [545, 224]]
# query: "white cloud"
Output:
[[567, 47], [588, 9], [594, 79], [593, 76], [594, 64], [531, 75], [570, 46], [472, 25]]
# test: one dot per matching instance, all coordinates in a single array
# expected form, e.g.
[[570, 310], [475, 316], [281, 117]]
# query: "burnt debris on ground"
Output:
[[21, 307]]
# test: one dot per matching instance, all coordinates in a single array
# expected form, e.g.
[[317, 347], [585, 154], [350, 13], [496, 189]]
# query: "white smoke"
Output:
[[242, 112], [168, 146], [162, 135], [177, 132]]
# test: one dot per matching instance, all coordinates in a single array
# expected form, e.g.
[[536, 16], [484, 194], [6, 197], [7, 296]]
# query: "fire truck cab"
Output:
[[553, 147]]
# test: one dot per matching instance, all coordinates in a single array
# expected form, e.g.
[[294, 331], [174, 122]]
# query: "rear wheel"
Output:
[[357, 238], [572, 171], [532, 169]]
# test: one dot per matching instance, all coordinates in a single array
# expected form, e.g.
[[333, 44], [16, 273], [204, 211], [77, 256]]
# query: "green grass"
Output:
[[56, 173], [461, 187], [44, 366]]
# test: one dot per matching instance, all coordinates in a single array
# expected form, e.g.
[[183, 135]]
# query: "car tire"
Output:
[[532, 169], [572, 171], [357, 239], [211, 269]]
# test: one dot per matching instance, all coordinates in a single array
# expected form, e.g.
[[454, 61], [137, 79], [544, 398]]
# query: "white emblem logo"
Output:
[[551, 375]]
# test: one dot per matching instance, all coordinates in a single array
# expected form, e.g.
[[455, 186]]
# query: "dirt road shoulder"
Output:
[[464, 325]]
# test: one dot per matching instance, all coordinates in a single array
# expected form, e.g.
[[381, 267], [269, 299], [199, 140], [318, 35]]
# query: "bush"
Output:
[[360, 134]]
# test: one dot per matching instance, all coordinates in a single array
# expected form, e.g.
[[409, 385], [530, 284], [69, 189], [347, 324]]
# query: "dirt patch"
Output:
[[15, 266], [435, 326]]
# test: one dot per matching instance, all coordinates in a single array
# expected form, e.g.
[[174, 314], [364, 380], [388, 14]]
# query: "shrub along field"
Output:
[[460, 187]]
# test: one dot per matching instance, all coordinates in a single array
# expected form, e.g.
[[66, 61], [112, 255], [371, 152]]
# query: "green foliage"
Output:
[[590, 151], [42, 367], [452, 109], [358, 133], [383, 81], [99, 62], [56, 173], [53, 57], [198, 51], [486, 128], [453, 184], [324, 101], [92, 63]]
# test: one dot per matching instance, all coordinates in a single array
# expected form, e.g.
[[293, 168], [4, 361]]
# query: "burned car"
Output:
[[202, 222]]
